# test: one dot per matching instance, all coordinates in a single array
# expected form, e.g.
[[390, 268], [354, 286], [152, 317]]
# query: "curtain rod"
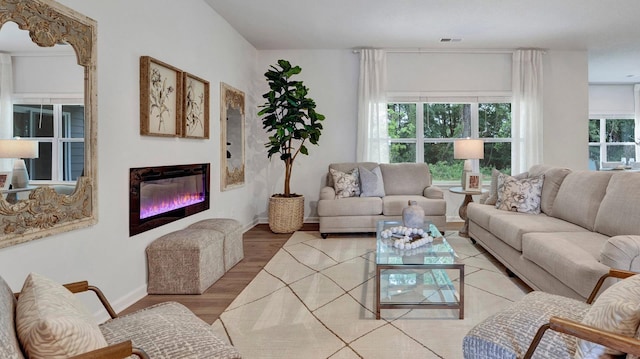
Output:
[[460, 51], [427, 51]]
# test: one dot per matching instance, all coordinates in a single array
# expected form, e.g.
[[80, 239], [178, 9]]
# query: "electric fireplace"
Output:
[[159, 195]]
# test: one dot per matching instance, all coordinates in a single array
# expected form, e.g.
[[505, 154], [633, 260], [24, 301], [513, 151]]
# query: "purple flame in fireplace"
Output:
[[166, 195]]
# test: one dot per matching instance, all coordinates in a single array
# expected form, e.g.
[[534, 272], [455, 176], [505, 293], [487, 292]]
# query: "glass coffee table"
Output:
[[416, 278]]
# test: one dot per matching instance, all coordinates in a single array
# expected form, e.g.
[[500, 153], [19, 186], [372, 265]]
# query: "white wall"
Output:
[[448, 72], [566, 109], [332, 79], [187, 34]]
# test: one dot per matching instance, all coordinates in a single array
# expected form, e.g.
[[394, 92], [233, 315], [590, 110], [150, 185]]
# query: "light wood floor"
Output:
[[260, 245]]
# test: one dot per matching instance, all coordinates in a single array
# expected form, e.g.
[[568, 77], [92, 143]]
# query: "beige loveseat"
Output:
[[402, 182], [57, 325], [590, 222]]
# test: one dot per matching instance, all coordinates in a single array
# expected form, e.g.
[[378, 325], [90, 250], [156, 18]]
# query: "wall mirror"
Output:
[[43, 209], [231, 137]]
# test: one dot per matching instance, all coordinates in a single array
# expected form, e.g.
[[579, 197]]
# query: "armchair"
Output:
[[164, 330], [543, 325], [113, 351]]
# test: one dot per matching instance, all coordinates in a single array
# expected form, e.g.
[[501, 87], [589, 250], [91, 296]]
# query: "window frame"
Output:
[[58, 140], [473, 99], [602, 144]]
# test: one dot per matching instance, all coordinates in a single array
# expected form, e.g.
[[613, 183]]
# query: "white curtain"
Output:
[[527, 110], [372, 138], [6, 106], [636, 97]]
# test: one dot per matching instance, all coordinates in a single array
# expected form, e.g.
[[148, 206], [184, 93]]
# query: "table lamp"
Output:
[[18, 150], [468, 149]]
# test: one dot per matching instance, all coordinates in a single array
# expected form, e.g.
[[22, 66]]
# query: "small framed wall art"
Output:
[[5, 180], [473, 182], [160, 98], [195, 112]]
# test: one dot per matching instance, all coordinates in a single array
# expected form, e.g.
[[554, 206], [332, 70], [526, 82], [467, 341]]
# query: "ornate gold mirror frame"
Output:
[[46, 212], [231, 137]]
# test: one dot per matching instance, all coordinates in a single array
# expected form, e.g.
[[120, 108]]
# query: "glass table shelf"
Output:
[[418, 277]]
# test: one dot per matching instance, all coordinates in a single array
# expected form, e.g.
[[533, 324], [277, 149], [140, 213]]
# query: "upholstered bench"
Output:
[[232, 232], [187, 261]]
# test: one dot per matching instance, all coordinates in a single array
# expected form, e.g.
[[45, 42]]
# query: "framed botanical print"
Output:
[[160, 98], [231, 137], [195, 123]]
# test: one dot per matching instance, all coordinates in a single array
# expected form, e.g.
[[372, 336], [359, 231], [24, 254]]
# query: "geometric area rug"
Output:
[[314, 299]]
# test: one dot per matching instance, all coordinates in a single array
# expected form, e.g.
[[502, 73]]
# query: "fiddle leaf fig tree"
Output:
[[290, 117]]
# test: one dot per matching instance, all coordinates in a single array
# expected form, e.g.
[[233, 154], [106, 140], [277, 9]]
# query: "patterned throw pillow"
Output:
[[519, 195], [52, 323], [346, 184], [493, 189], [616, 310], [371, 182]]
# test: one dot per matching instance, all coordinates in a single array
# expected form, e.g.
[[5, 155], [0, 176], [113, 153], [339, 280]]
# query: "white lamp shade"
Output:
[[18, 149], [467, 149]]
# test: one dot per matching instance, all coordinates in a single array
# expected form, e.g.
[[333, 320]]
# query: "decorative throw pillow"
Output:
[[519, 195], [616, 310], [371, 182], [52, 323], [346, 184], [493, 190]]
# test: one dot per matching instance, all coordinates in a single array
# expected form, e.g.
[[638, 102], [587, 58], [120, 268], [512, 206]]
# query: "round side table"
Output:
[[468, 198]]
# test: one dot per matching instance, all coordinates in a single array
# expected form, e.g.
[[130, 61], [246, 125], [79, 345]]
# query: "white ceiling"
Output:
[[608, 30]]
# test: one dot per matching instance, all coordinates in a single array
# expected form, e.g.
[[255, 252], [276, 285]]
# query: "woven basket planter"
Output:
[[286, 214]]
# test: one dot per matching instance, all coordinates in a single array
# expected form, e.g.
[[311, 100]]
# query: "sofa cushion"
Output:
[[393, 205], [519, 195], [616, 310], [346, 184], [620, 207], [356, 206], [9, 345], [52, 323], [481, 214], [510, 228], [168, 330], [579, 197], [371, 183], [405, 178], [571, 257], [553, 178]]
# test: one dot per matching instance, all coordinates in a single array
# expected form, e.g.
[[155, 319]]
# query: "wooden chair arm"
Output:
[[608, 339], [83, 286], [613, 273], [114, 351]]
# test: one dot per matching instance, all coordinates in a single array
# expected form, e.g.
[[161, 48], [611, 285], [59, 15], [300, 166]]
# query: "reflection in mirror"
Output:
[[53, 96], [231, 137]]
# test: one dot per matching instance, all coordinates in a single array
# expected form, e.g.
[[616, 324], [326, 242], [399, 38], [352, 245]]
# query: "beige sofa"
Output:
[[590, 222], [402, 182]]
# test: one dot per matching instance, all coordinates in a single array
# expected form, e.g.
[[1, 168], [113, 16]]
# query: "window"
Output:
[[59, 129], [425, 131], [611, 140]]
